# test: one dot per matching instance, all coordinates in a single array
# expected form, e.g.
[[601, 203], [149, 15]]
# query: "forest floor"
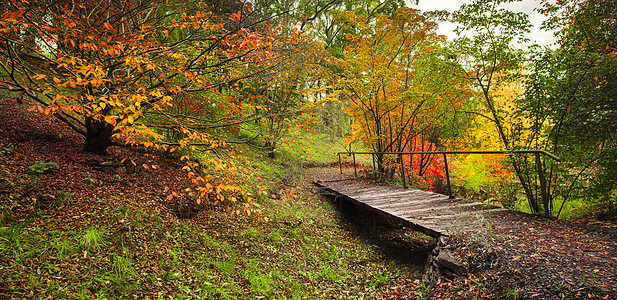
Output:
[[71, 230], [521, 256]]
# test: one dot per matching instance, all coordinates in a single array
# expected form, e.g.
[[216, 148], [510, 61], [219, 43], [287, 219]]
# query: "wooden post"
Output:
[[354, 165], [340, 167], [547, 212], [445, 163]]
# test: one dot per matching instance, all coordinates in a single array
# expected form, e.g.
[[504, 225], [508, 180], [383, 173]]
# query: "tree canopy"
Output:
[[395, 78], [124, 68]]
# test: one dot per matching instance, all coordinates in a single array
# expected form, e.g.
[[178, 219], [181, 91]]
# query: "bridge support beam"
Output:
[[442, 263]]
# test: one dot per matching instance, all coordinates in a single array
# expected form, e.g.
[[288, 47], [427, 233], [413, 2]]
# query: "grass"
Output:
[[302, 146], [301, 253], [472, 172], [574, 208], [423, 292], [318, 149], [94, 238]]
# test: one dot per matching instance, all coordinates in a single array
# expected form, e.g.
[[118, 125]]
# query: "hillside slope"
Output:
[[77, 225]]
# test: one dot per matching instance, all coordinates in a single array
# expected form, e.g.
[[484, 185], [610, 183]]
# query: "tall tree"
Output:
[[315, 18], [280, 101], [161, 74]]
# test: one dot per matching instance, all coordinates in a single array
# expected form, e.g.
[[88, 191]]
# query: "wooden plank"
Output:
[[455, 215], [411, 197], [382, 195], [402, 212], [413, 206]]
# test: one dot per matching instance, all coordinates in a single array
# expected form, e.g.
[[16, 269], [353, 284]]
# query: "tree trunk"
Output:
[[98, 136]]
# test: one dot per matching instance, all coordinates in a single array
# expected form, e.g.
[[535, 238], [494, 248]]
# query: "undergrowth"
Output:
[[112, 247]]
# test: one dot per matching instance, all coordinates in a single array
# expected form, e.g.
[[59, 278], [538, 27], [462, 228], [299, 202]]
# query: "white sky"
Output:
[[537, 35]]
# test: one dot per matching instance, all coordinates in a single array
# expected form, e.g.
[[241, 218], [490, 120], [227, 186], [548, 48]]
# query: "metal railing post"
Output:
[[445, 163], [340, 166], [542, 185], [374, 170], [400, 157]]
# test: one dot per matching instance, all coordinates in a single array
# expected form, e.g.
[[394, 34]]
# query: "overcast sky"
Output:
[[527, 6]]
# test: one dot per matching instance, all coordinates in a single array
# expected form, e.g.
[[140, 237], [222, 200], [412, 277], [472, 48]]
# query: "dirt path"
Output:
[[529, 257]]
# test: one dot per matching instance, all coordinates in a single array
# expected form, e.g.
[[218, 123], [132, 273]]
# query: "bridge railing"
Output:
[[537, 154]]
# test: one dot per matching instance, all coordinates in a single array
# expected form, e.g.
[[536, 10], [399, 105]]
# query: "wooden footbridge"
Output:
[[431, 213]]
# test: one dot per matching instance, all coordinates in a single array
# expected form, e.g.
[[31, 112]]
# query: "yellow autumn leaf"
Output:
[[156, 93], [111, 120]]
